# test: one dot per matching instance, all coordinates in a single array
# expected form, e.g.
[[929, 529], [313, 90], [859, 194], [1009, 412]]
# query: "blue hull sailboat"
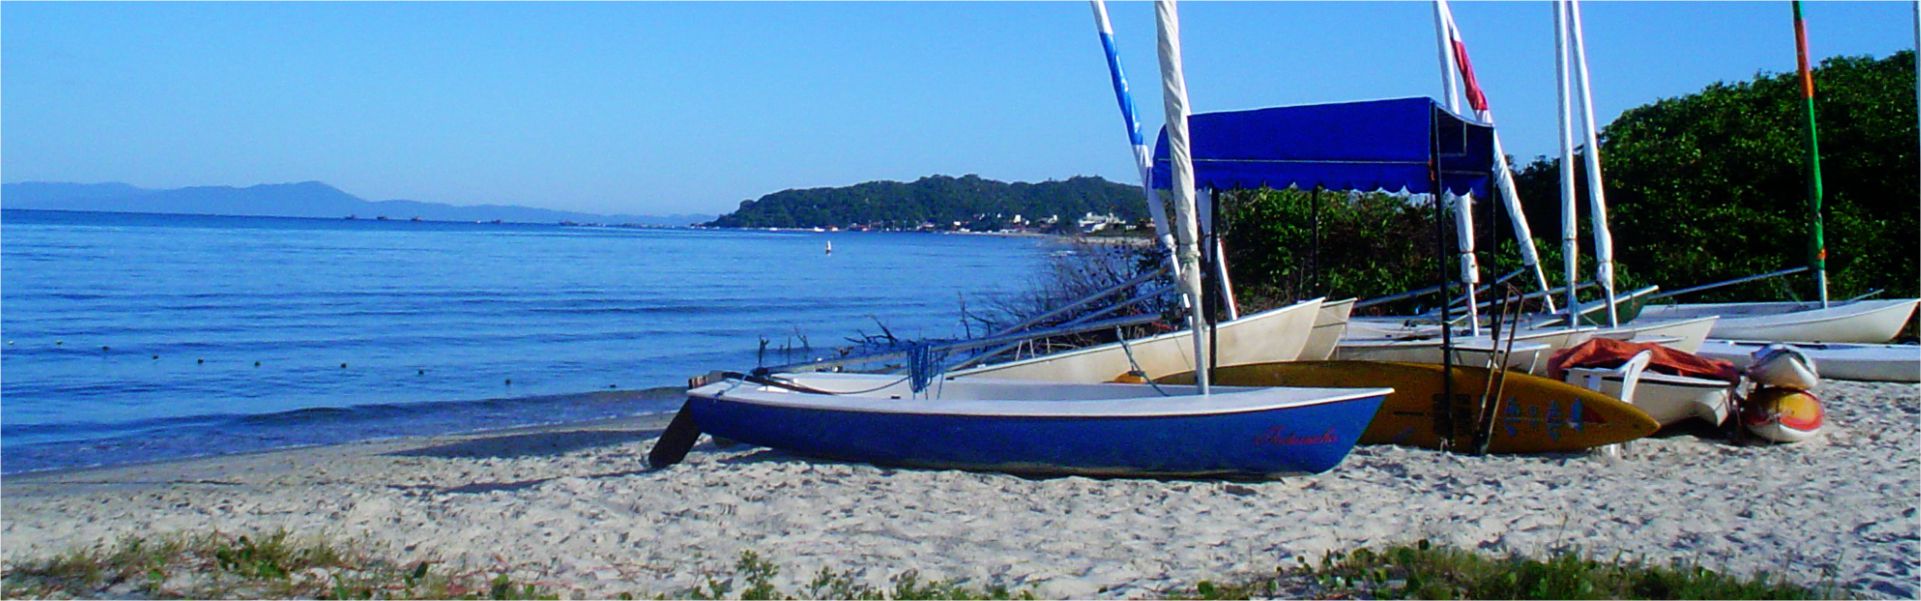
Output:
[[1038, 428]]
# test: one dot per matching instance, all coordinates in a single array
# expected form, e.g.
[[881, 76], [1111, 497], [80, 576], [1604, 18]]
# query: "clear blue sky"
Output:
[[692, 107]]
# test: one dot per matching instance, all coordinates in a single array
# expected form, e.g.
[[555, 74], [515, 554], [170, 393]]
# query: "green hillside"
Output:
[[936, 199]]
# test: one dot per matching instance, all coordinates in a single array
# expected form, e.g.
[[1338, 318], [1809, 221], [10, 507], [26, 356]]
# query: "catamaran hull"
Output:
[[1276, 335], [1870, 362], [1113, 437], [1863, 321]]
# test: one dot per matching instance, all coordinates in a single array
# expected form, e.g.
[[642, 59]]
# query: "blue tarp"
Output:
[[1368, 145]]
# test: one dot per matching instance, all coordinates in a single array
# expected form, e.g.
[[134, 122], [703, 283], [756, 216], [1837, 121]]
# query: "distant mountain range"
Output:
[[303, 199]]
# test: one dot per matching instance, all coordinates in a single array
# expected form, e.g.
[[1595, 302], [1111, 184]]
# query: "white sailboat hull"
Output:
[[1477, 351], [1329, 326], [1845, 361], [1865, 321], [1685, 335], [1666, 398], [1275, 335]]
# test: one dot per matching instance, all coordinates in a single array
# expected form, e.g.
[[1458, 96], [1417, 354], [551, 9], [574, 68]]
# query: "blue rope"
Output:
[[923, 366]]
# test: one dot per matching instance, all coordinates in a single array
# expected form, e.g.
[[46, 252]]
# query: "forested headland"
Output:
[[939, 201]]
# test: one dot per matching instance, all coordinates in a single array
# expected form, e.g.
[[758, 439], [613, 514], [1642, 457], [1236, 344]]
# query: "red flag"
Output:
[[1475, 98]]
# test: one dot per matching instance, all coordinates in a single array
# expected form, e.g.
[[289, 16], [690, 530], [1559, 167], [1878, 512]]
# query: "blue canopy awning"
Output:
[[1367, 145]]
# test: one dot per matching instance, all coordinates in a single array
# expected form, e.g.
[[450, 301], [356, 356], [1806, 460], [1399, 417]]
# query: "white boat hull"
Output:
[[1863, 321], [1329, 326], [1666, 398], [1275, 335], [1872, 362], [1475, 351], [1685, 335]]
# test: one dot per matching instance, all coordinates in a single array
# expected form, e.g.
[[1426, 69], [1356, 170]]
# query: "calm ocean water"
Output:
[[140, 337]]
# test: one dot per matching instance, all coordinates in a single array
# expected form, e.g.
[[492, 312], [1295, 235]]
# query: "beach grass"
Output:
[[280, 565], [1423, 571], [271, 566]]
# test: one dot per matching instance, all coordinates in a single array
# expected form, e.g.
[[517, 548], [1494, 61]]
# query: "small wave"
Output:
[[192, 436]]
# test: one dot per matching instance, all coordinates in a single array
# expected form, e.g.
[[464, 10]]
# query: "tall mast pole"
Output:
[[1450, 88], [1819, 255], [1463, 220], [1570, 244], [1597, 201], [1181, 167], [1503, 172], [1142, 159]]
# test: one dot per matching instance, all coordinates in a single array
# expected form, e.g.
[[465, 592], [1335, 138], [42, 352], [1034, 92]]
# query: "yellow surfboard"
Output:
[[1535, 414]]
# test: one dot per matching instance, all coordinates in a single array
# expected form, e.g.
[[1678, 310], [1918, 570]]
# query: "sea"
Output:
[[139, 337]]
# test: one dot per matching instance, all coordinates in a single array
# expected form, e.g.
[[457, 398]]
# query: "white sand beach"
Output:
[[573, 507]]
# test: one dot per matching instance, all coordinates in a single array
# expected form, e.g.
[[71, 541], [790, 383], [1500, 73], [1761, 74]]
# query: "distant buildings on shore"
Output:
[[997, 223]]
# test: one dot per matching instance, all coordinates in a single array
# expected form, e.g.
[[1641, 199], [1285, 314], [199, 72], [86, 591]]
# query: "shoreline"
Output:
[[637, 395], [574, 506]]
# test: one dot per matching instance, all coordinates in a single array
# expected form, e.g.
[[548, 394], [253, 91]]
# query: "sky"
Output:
[[659, 108]]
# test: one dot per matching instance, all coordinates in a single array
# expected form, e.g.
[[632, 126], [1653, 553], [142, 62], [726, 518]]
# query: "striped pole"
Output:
[[1819, 256], [1142, 159]]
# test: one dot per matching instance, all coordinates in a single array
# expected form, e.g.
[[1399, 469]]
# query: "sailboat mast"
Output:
[[1597, 201], [1450, 88], [1570, 244], [1181, 166], [1503, 173], [1819, 257], [1142, 159], [1464, 221]]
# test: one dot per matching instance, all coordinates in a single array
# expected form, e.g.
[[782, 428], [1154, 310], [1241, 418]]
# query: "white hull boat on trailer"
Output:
[[1865, 321], [1275, 335], [1845, 361]]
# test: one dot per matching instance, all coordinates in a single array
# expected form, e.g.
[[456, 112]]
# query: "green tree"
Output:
[[1713, 185]]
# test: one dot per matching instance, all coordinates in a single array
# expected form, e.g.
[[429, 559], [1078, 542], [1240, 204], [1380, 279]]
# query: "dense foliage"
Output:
[[1702, 188], [1369, 245], [1713, 185], [937, 199]]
